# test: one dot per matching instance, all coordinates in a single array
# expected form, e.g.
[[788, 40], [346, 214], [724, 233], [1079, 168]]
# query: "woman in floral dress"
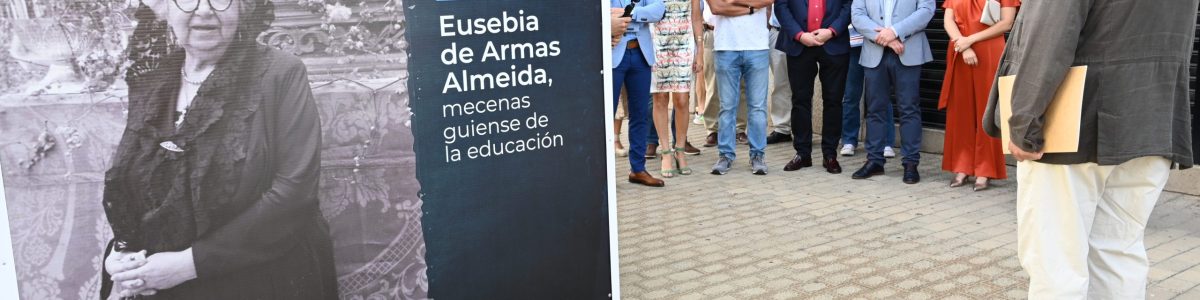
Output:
[[675, 40]]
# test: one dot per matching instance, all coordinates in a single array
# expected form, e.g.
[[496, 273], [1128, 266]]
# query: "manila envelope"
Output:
[[1063, 116]]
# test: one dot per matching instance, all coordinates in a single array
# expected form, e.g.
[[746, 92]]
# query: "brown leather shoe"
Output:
[[742, 139], [689, 149], [711, 140], [644, 178], [798, 162], [831, 165]]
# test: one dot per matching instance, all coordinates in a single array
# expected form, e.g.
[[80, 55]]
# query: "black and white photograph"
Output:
[[304, 149], [209, 149]]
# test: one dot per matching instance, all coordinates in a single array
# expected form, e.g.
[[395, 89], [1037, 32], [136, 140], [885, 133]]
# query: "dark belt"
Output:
[[708, 27], [633, 44]]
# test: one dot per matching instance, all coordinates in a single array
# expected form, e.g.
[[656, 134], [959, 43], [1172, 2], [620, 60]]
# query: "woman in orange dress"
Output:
[[971, 62]]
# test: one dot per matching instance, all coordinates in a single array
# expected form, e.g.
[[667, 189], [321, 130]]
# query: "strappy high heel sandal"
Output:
[[668, 154], [683, 170]]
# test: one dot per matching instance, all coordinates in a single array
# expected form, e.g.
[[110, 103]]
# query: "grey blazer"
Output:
[[1135, 100], [909, 19]]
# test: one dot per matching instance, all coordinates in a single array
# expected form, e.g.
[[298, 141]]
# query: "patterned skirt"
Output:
[[674, 49]]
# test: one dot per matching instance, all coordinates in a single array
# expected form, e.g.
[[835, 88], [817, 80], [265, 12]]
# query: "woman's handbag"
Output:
[[991, 13]]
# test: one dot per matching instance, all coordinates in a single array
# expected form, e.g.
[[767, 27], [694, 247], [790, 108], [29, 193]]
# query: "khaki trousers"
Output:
[[780, 101], [1080, 228]]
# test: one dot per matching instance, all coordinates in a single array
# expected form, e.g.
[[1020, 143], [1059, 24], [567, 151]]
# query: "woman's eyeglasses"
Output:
[[189, 6]]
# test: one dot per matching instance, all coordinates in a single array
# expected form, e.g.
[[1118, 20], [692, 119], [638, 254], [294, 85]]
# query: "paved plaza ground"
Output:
[[808, 234]]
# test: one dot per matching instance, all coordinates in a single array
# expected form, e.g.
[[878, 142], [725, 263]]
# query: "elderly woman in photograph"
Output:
[[213, 189]]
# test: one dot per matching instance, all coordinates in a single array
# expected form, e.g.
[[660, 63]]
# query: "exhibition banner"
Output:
[[508, 105], [315, 149]]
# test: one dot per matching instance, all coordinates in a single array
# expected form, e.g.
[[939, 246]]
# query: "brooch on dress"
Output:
[[171, 146]]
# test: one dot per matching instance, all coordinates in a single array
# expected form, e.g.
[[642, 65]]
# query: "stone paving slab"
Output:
[[808, 234]]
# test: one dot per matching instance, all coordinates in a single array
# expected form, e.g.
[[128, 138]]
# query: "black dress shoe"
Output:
[[868, 170], [911, 176], [742, 139], [832, 166], [798, 162], [651, 151], [710, 140], [776, 137]]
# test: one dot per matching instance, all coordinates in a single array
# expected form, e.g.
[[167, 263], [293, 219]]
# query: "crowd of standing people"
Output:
[[747, 70], [1081, 216]]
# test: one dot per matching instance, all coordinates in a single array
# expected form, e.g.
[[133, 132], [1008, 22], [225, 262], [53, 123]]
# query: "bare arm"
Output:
[[1007, 14], [697, 19], [697, 36], [951, 26], [733, 8], [723, 8], [755, 3]]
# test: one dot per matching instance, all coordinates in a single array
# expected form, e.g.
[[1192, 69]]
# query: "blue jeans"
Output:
[[851, 116], [755, 68], [905, 80], [634, 73]]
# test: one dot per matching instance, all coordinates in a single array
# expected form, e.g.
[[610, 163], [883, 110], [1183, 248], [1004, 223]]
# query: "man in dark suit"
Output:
[[816, 45], [1081, 216]]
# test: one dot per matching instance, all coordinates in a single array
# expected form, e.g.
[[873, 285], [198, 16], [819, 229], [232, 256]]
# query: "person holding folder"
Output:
[[1081, 216]]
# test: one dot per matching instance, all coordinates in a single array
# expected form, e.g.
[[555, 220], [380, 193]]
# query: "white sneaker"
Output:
[[847, 150], [697, 119], [888, 152]]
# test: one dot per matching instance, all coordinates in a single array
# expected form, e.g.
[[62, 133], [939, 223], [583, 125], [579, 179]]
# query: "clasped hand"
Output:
[[885, 36], [963, 43], [816, 38], [135, 274]]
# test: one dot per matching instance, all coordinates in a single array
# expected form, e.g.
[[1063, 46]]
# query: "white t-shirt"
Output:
[[740, 33]]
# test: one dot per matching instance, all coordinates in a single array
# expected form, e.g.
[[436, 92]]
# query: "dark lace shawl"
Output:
[[161, 200]]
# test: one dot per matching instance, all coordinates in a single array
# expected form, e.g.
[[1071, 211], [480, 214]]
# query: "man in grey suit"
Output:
[[1081, 217], [892, 56]]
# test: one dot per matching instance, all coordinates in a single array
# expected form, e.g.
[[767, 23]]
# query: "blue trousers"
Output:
[[753, 66], [851, 116], [892, 75], [634, 74]]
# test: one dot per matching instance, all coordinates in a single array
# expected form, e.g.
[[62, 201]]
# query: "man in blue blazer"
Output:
[[816, 43], [632, 59], [892, 56]]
